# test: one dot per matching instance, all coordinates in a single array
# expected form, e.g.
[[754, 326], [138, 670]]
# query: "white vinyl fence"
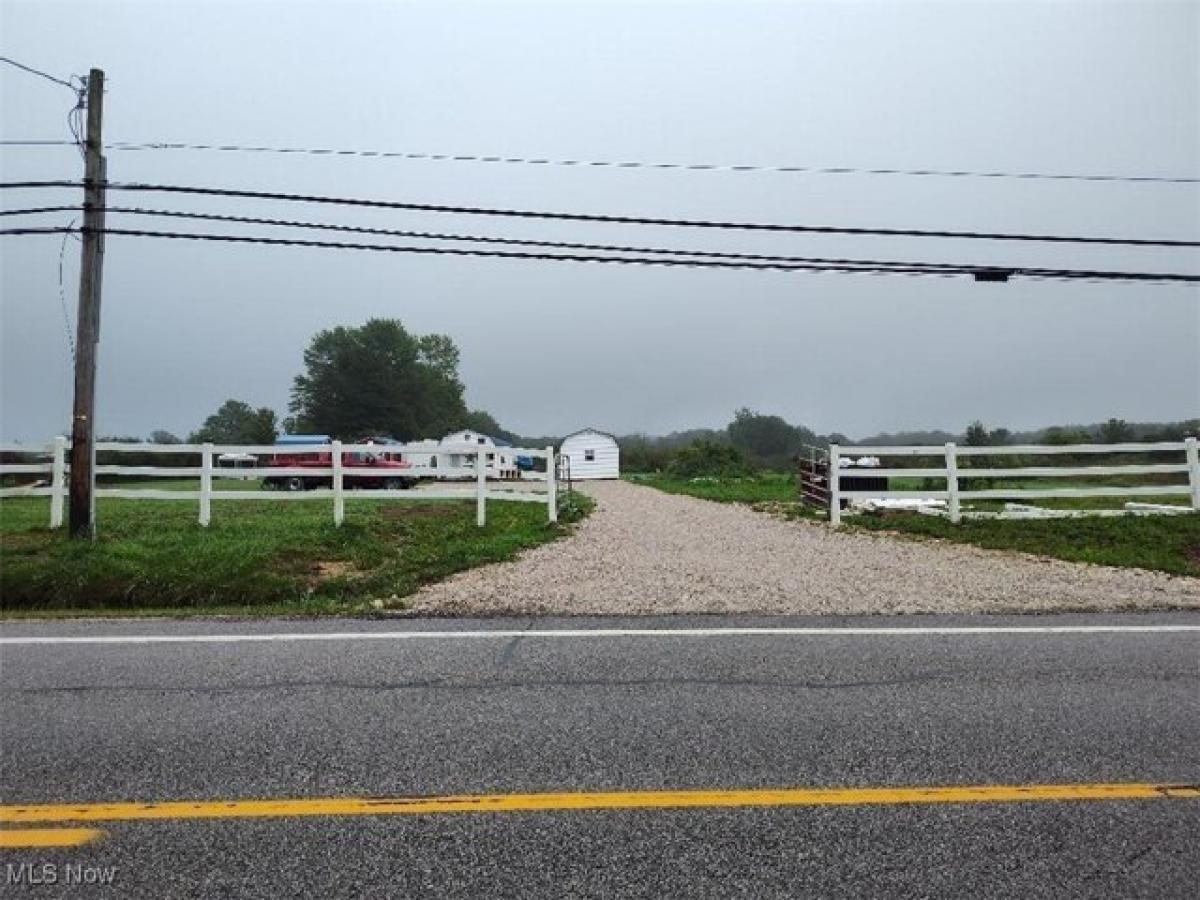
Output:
[[952, 474], [53, 465]]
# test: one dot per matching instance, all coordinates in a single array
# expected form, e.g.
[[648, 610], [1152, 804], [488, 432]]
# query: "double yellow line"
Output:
[[70, 813]]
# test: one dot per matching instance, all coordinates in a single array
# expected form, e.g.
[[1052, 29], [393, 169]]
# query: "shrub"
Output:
[[703, 457]]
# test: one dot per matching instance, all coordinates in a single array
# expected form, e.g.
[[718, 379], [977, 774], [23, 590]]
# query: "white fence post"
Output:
[[551, 485], [1193, 464], [58, 482], [480, 487], [206, 469], [835, 493], [339, 499], [952, 482]]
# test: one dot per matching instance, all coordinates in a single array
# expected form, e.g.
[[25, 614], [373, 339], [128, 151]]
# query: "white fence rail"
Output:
[[953, 475], [340, 476]]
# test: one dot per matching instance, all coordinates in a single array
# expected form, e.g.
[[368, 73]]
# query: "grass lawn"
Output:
[[1166, 543], [256, 556]]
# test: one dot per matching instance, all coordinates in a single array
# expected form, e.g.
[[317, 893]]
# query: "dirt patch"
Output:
[[420, 511], [28, 540], [332, 569], [1192, 553], [313, 573]]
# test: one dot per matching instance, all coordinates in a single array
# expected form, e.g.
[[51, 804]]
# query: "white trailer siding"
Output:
[[458, 453], [460, 447], [592, 454], [469, 437], [426, 454]]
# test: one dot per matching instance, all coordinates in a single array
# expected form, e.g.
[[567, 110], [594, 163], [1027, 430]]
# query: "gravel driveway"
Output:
[[643, 551]]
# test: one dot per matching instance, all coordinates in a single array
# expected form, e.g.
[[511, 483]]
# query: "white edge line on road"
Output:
[[800, 632]]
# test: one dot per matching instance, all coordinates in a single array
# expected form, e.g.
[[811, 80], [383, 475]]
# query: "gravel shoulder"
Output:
[[644, 552]]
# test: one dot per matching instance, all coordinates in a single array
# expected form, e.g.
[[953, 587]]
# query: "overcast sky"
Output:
[[550, 347]]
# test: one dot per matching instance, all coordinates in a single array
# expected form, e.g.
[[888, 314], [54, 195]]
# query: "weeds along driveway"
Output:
[[643, 551]]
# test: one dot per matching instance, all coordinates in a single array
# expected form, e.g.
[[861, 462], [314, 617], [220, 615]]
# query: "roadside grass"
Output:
[[256, 557], [1163, 543], [1169, 543]]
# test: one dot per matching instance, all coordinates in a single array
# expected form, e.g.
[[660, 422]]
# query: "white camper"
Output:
[[458, 450]]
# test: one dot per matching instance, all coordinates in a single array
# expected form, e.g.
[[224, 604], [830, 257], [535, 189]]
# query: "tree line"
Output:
[[754, 442]]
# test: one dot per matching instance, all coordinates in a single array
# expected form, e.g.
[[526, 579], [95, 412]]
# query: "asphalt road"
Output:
[[459, 713]]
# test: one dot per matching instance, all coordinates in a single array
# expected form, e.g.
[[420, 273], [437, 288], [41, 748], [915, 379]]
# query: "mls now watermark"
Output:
[[34, 874]]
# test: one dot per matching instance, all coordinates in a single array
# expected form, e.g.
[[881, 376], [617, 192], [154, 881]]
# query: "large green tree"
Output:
[[768, 440], [237, 422], [378, 379], [761, 435]]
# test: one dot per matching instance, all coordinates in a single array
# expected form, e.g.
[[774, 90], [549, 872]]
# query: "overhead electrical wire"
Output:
[[608, 219], [469, 238], [78, 85], [75, 83], [637, 164], [38, 72], [986, 273], [62, 292], [954, 268]]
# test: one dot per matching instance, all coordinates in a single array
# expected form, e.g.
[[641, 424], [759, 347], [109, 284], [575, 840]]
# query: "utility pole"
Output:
[[83, 420]]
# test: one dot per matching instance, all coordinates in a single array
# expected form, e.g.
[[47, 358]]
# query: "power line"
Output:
[[609, 219], [37, 210], [78, 85], [62, 293], [38, 72], [640, 164], [473, 238], [953, 268], [987, 273]]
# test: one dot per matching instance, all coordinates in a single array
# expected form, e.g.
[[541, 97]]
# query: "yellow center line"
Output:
[[499, 803], [47, 837]]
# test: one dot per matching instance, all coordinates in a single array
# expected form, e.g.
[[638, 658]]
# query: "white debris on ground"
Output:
[[862, 462], [920, 504], [643, 551]]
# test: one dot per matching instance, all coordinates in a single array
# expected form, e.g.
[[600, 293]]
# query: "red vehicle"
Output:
[[367, 469]]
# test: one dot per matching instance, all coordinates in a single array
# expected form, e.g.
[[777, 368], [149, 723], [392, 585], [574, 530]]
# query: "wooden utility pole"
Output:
[[87, 331]]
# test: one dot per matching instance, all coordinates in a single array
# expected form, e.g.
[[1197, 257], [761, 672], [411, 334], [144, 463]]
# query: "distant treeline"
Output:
[[1113, 431], [754, 442]]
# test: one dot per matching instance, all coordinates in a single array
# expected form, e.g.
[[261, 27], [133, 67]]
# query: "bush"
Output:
[[641, 456], [701, 458]]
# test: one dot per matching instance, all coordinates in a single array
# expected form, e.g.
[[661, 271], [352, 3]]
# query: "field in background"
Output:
[[1164, 543], [259, 556], [764, 487]]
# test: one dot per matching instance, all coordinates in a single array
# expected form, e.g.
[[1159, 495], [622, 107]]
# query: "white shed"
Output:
[[592, 454]]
